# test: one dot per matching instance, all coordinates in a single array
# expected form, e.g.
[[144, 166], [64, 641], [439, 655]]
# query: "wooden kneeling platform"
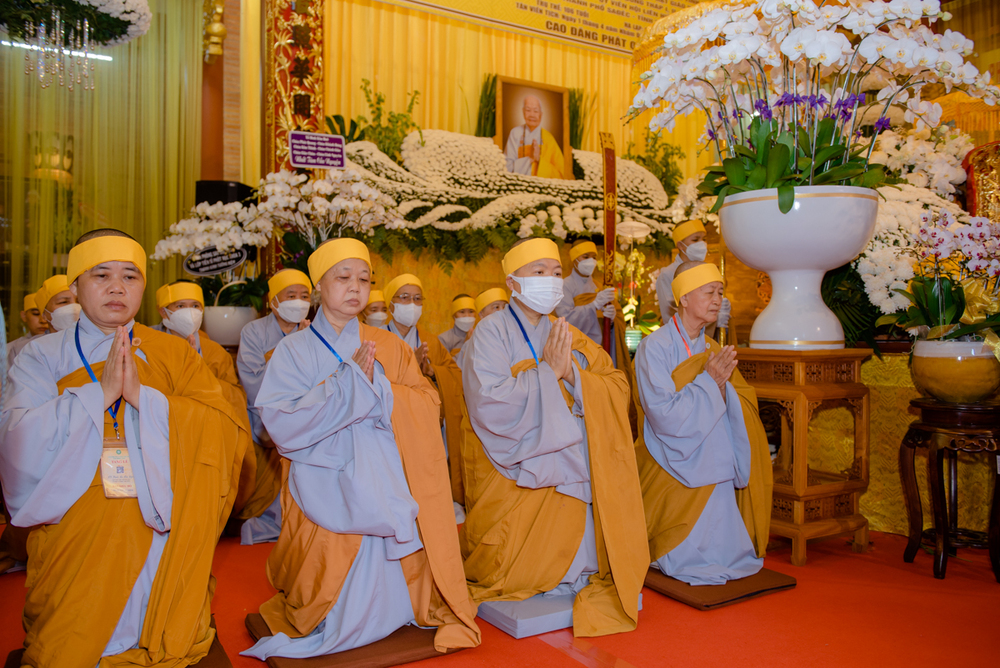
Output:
[[710, 597], [216, 657], [404, 645]]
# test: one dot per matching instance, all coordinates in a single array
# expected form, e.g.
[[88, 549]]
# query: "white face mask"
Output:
[[466, 323], [406, 315], [376, 319], [64, 316], [184, 321], [697, 252], [586, 267], [540, 293], [293, 310]]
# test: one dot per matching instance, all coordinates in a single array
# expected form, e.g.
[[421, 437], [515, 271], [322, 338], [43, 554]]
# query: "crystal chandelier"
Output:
[[61, 51], [60, 35]]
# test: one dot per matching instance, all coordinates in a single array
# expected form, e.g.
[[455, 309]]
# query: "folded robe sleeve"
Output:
[[518, 417], [682, 421], [344, 398]]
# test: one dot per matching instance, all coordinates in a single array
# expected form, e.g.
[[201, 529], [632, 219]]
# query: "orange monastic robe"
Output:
[[309, 564], [81, 570], [518, 542], [448, 378]]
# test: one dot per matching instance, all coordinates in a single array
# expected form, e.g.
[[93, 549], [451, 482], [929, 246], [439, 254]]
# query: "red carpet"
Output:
[[848, 609]]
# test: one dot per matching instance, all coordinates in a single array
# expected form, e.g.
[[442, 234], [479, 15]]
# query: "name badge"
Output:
[[116, 471]]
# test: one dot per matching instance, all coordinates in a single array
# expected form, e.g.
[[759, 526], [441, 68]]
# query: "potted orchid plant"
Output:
[[790, 89], [954, 308]]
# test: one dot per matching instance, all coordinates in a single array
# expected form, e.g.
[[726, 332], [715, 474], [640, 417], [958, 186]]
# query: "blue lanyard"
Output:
[[86, 365], [524, 334], [327, 344]]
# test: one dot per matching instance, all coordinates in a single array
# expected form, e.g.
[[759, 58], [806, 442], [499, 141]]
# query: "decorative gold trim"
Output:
[[795, 343], [803, 195]]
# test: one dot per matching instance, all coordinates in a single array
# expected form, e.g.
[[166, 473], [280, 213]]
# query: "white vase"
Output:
[[223, 324], [828, 226]]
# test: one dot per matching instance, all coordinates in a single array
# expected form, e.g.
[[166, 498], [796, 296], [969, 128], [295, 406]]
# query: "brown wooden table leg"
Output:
[[935, 469], [994, 531], [911, 496]]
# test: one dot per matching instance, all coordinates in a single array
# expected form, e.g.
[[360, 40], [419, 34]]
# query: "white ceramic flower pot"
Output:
[[827, 227], [223, 324]]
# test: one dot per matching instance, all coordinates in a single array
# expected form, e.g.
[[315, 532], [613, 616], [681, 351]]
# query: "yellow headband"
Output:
[[330, 253], [683, 230], [375, 296], [93, 252], [403, 279], [460, 303], [29, 303], [286, 278], [581, 249], [692, 279], [530, 251], [487, 297], [50, 288], [168, 294]]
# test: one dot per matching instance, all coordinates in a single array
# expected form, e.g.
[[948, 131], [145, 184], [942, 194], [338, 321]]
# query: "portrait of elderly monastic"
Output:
[[533, 128]]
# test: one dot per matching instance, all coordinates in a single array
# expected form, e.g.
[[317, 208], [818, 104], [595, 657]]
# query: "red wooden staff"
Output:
[[610, 209]]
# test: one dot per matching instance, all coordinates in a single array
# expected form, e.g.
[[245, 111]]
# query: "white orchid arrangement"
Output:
[[783, 86], [888, 262], [225, 227], [925, 158], [341, 201]]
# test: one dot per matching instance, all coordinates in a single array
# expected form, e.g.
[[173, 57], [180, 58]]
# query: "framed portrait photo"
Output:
[[533, 128]]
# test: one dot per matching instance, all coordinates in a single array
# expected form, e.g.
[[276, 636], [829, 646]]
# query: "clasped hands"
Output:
[[120, 378], [720, 366], [558, 351]]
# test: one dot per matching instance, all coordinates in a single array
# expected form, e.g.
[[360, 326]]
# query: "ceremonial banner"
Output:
[[610, 212], [610, 25]]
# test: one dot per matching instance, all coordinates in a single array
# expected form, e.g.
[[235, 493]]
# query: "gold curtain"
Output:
[[128, 152], [251, 91], [401, 50]]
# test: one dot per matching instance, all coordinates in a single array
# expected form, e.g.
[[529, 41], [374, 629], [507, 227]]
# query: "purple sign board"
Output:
[[312, 150]]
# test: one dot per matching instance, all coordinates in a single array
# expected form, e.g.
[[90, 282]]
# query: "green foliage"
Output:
[[937, 302], [786, 160], [350, 134], [387, 130], [15, 14], [249, 293], [843, 291], [581, 111], [659, 157], [486, 120]]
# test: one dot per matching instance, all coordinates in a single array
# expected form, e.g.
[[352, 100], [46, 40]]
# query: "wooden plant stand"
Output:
[[811, 503]]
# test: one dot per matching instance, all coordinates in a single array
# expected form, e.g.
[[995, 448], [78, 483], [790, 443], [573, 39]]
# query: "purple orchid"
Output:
[[763, 109], [882, 124]]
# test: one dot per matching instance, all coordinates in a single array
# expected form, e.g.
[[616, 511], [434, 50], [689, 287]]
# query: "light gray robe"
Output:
[[41, 484], [584, 318], [700, 440], [453, 338], [664, 295], [16, 346], [527, 431], [257, 338], [347, 476]]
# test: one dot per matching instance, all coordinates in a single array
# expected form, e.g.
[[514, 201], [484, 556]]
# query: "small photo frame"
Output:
[[532, 121]]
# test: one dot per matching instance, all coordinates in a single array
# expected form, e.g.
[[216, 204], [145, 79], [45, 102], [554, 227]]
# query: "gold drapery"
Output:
[[132, 149], [401, 50], [251, 92]]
